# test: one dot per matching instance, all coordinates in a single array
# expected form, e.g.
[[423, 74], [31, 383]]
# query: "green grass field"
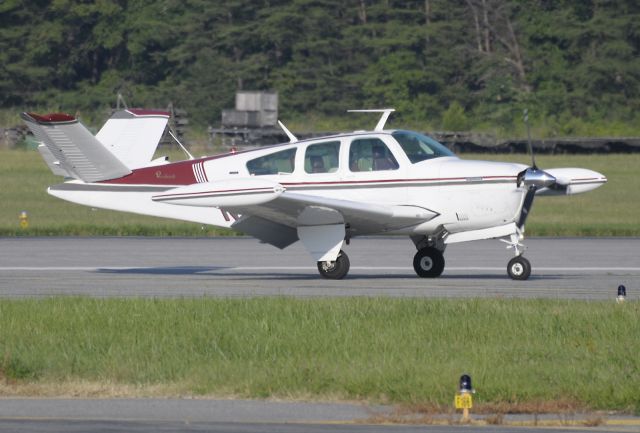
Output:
[[520, 353], [611, 210]]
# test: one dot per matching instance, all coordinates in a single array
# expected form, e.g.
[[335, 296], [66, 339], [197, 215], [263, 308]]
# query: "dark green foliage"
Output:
[[15, 369], [487, 59]]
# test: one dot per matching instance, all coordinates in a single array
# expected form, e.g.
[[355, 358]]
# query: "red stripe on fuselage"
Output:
[[178, 173], [175, 173]]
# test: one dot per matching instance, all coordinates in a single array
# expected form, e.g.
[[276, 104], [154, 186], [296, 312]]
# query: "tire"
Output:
[[519, 268], [335, 270], [428, 263]]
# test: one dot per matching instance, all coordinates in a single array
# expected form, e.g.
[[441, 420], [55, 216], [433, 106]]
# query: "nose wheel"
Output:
[[519, 268], [335, 270]]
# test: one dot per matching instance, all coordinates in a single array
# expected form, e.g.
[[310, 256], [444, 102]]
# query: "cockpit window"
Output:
[[279, 162], [419, 147]]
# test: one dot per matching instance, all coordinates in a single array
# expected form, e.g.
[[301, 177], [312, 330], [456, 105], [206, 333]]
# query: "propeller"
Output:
[[531, 178]]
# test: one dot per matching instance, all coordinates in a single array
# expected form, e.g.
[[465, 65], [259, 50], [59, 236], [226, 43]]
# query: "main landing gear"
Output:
[[428, 262], [335, 270]]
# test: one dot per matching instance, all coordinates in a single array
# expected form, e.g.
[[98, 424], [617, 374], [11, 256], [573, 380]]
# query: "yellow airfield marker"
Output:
[[463, 399], [24, 219]]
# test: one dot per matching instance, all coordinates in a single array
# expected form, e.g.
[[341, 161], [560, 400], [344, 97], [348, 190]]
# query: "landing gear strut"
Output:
[[335, 270], [428, 262], [518, 267]]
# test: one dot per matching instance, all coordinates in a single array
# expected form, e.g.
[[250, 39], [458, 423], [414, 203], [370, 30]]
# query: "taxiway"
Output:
[[572, 268]]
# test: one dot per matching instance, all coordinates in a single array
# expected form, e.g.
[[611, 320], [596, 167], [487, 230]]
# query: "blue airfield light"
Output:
[[465, 383], [622, 293]]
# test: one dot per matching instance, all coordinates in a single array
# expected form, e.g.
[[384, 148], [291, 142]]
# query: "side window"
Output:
[[279, 162], [322, 157], [371, 154]]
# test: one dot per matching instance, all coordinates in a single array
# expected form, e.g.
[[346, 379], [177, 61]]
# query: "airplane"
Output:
[[322, 191]]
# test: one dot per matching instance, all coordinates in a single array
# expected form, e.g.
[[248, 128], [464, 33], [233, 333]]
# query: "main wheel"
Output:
[[335, 270], [519, 268], [428, 262]]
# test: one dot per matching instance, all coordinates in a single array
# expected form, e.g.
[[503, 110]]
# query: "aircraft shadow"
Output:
[[175, 270], [208, 271], [227, 272]]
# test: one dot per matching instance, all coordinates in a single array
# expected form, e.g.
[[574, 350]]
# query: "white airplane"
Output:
[[322, 191]]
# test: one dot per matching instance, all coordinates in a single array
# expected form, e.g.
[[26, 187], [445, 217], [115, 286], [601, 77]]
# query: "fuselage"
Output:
[[385, 167]]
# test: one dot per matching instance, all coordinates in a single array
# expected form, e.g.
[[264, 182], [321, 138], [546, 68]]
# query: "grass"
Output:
[[410, 351], [609, 211]]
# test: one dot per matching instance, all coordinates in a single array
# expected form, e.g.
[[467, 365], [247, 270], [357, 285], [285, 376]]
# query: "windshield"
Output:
[[419, 147]]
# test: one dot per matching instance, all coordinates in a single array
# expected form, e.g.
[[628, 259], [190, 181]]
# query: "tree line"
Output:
[[455, 64]]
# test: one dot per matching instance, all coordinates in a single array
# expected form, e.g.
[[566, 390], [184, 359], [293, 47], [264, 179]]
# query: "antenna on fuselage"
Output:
[[292, 138], [180, 144], [386, 112]]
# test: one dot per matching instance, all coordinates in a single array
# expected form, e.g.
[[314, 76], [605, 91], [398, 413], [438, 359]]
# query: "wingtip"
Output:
[[48, 118]]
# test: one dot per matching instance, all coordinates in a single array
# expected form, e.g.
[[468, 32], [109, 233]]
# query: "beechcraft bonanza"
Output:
[[323, 191]]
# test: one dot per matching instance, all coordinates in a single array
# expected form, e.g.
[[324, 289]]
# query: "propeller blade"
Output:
[[533, 179], [526, 206]]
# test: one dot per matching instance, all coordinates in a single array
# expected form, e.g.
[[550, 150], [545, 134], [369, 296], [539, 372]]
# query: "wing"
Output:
[[279, 217], [322, 223], [295, 210]]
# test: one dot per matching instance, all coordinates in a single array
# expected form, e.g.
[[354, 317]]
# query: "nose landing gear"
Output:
[[519, 268]]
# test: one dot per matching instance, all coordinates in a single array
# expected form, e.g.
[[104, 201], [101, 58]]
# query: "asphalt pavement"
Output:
[[568, 268], [198, 415]]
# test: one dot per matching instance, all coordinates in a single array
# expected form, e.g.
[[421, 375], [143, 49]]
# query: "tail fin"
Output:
[[73, 149], [132, 135]]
